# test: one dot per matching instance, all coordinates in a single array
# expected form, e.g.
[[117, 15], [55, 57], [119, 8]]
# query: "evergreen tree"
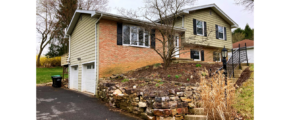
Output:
[[248, 32], [65, 12]]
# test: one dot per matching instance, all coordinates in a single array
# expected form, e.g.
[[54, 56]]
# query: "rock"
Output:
[[171, 92], [180, 94], [187, 93], [158, 112], [180, 111], [198, 111], [165, 105], [167, 112], [151, 117], [191, 105], [142, 104], [117, 92], [172, 104]]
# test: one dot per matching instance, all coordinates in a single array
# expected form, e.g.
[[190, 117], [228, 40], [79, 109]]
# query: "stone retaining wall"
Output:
[[152, 100]]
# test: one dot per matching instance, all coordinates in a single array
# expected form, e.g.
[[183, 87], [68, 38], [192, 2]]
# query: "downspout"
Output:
[[96, 46]]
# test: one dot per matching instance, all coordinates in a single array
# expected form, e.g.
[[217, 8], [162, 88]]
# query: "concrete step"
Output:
[[195, 117], [198, 111], [233, 80]]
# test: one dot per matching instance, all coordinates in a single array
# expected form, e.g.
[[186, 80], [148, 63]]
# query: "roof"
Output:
[[250, 43], [97, 14], [215, 8]]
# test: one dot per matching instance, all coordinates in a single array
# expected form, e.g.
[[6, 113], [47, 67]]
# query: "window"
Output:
[[196, 55], [93, 67], [216, 56], [221, 32], [135, 36], [88, 66], [75, 68], [199, 27]]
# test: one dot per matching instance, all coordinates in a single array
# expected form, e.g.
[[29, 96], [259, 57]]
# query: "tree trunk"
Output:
[[38, 58], [166, 63]]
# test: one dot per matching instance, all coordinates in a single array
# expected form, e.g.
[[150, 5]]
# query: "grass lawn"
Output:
[[245, 98], [43, 75]]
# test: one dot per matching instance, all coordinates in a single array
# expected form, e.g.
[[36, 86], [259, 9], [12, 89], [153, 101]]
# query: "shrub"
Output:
[[125, 80], [197, 65], [168, 75], [177, 76], [49, 62], [157, 64]]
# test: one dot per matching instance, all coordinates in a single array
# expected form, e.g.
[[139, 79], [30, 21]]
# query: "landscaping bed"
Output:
[[181, 72]]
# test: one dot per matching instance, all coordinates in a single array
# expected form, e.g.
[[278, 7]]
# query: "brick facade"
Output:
[[118, 58], [114, 59]]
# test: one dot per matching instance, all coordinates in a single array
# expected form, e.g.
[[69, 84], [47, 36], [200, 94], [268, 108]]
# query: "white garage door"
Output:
[[88, 78], [74, 77]]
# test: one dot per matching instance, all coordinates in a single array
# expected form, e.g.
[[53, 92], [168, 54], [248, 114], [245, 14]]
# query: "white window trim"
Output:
[[199, 56], [202, 28], [223, 33], [149, 38]]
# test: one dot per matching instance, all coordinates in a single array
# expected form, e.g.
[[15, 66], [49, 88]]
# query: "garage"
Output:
[[88, 78], [74, 77]]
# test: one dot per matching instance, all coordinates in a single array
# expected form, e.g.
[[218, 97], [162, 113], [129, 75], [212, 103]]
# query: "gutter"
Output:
[[96, 46]]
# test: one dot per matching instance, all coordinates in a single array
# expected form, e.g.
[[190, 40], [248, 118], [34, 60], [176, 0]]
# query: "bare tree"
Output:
[[97, 5], [166, 12], [45, 23], [249, 4]]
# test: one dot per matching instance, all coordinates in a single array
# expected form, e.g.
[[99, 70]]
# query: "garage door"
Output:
[[89, 76], [74, 77]]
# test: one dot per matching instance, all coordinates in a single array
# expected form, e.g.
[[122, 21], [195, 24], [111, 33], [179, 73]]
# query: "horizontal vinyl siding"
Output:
[[211, 20], [83, 43], [178, 22]]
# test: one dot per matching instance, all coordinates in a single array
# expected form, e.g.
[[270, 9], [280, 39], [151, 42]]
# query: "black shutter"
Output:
[[202, 55], [191, 56], [225, 33], [205, 29], [214, 56], [119, 34], [194, 26], [216, 32], [153, 38]]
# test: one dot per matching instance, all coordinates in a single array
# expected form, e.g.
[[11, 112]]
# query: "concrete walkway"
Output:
[[61, 104]]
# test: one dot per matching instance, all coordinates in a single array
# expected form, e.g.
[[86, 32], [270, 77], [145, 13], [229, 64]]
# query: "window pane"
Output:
[[126, 34], [134, 35], [220, 29], [146, 38], [221, 35], [199, 31], [141, 39], [216, 56], [195, 54], [199, 24]]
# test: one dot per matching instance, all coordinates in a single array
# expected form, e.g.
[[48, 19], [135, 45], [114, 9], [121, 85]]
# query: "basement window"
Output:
[[216, 57]]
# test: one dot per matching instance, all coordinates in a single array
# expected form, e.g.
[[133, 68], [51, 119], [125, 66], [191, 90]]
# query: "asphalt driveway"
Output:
[[61, 104]]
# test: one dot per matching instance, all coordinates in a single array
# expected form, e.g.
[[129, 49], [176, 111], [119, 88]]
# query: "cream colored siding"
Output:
[[178, 22], [64, 59], [83, 43], [211, 21]]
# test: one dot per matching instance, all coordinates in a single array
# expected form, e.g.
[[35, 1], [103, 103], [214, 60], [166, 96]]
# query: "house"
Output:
[[98, 46], [250, 49]]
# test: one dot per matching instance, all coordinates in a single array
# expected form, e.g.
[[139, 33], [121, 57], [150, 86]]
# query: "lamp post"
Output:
[[224, 55]]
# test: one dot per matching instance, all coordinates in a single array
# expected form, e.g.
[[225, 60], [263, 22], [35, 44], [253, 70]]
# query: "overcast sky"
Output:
[[237, 13]]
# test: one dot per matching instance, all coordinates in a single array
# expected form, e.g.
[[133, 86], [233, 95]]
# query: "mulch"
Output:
[[180, 72], [244, 76]]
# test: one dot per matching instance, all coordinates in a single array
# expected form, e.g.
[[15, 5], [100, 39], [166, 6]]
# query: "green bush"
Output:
[[125, 80], [168, 75], [197, 65], [177, 76]]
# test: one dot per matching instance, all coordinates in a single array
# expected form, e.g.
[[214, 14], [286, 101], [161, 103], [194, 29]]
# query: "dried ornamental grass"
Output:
[[212, 97]]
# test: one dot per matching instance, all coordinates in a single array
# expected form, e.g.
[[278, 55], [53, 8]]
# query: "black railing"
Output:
[[238, 56]]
